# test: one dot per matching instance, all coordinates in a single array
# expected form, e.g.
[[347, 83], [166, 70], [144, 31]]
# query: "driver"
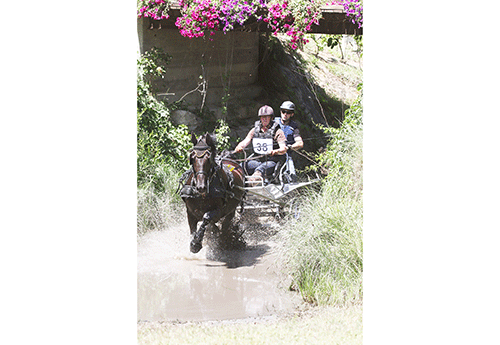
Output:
[[291, 129], [268, 140]]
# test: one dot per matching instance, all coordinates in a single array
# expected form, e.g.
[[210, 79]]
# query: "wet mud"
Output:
[[214, 284]]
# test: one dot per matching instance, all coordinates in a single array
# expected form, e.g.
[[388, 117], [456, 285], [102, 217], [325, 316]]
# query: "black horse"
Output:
[[212, 189]]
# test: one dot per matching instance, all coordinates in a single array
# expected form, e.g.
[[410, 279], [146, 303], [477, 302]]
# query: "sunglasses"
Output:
[[287, 112]]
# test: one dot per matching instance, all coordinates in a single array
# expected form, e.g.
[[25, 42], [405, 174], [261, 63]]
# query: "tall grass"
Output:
[[157, 209], [323, 250]]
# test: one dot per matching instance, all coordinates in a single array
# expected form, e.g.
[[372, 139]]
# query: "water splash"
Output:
[[214, 284]]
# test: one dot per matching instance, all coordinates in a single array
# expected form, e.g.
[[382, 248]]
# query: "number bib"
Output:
[[262, 146]]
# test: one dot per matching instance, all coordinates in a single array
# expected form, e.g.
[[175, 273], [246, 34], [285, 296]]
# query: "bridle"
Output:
[[200, 152]]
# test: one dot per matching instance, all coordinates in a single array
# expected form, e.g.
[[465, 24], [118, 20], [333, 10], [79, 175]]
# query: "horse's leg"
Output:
[[192, 221], [231, 235], [197, 237], [224, 228]]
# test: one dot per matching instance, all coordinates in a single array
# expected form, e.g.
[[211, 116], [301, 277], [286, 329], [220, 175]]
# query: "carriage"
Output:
[[216, 185], [275, 194]]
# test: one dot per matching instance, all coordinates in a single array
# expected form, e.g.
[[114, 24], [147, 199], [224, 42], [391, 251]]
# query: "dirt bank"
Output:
[[321, 325]]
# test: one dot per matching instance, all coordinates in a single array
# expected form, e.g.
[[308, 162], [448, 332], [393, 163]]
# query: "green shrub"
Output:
[[159, 142], [161, 150]]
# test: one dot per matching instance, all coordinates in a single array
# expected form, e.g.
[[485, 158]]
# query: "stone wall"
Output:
[[225, 66]]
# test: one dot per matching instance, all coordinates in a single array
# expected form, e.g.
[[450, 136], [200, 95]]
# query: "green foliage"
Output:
[[159, 142], [359, 42], [324, 248], [152, 65], [344, 143], [222, 133], [333, 40]]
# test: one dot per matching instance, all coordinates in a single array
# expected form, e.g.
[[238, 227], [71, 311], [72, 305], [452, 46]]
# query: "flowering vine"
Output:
[[237, 12], [353, 9], [197, 17], [291, 17], [156, 9]]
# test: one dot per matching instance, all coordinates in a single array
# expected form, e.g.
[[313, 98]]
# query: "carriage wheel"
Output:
[[279, 214], [293, 209]]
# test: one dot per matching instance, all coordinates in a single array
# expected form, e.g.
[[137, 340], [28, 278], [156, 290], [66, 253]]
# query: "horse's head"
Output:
[[202, 159]]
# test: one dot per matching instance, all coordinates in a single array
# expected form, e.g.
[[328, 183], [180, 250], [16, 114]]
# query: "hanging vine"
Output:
[[201, 18]]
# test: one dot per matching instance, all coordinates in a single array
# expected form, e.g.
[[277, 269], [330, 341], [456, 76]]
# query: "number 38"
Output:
[[262, 147]]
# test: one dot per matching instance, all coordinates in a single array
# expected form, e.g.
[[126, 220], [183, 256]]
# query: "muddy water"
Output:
[[214, 284]]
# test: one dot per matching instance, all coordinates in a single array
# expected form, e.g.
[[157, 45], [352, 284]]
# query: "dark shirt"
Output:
[[291, 130]]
